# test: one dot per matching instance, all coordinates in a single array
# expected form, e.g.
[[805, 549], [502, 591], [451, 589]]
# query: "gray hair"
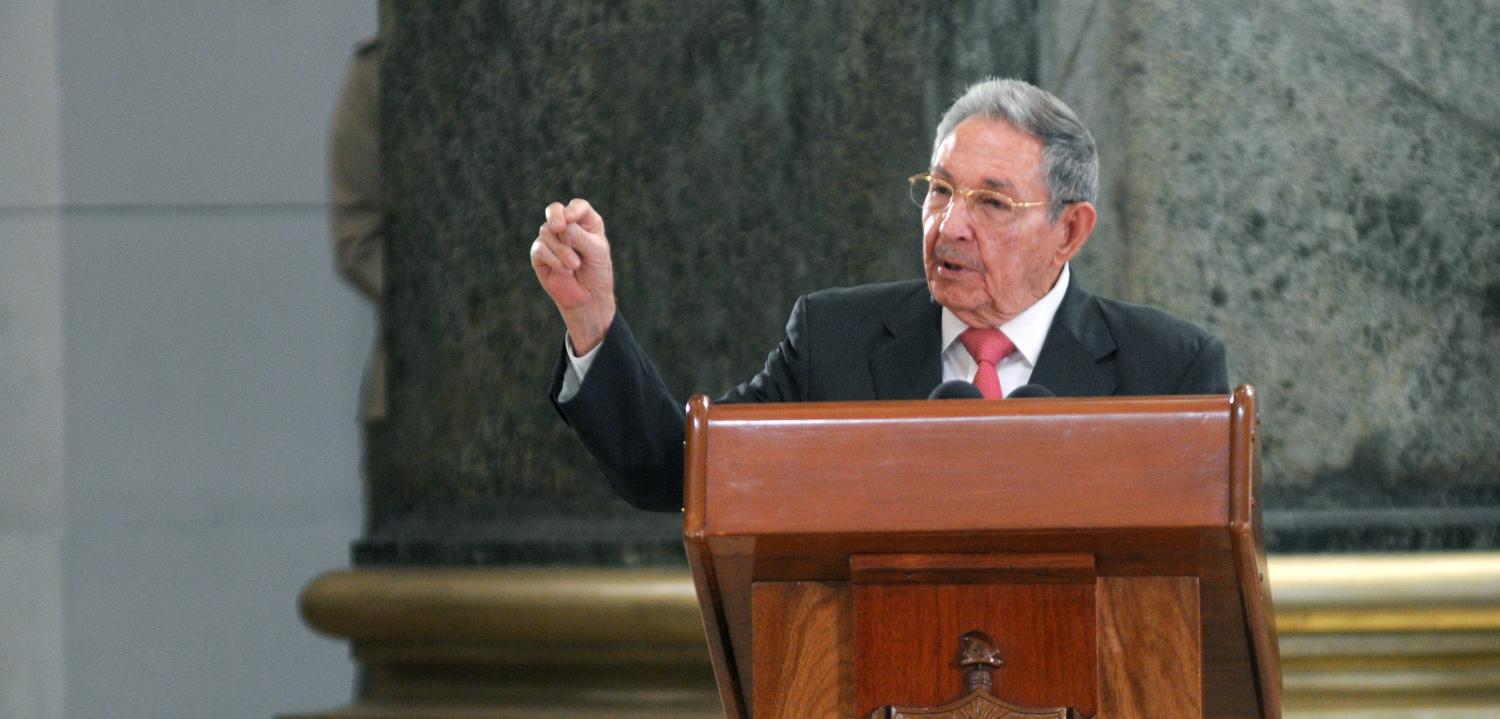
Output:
[[1070, 164]]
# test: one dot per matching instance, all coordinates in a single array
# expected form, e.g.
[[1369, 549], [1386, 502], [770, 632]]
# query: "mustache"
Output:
[[953, 256]]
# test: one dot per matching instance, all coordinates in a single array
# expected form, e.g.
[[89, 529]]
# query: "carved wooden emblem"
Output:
[[978, 658]]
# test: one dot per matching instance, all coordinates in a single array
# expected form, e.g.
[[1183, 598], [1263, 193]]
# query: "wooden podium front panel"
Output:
[[1229, 675], [802, 650], [1150, 649], [906, 642]]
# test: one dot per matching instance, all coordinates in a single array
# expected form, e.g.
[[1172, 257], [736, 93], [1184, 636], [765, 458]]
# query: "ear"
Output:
[[1077, 224]]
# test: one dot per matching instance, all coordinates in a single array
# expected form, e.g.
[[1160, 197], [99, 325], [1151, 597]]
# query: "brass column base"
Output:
[[513, 643]]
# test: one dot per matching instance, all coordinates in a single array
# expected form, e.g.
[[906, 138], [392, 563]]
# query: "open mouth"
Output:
[[951, 267], [948, 261]]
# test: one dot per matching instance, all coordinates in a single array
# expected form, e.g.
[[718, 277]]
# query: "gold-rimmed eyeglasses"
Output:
[[991, 207]]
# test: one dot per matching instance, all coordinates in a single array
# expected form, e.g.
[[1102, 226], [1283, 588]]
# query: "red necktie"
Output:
[[988, 346]]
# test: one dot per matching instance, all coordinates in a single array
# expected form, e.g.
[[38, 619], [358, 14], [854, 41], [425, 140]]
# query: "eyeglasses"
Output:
[[991, 207]]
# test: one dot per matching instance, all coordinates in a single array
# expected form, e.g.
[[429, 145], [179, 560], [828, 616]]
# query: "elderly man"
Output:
[[1007, 202]]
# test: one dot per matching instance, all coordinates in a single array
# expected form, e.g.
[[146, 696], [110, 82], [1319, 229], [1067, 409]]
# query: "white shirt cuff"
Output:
[[577, 369]]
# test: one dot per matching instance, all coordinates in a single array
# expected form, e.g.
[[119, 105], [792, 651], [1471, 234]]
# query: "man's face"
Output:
[[988, 273]]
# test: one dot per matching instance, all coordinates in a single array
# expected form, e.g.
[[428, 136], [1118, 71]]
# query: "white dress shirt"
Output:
[[1027, 330]]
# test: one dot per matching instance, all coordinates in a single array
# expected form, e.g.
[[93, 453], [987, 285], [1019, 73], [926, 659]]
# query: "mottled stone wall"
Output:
[[741, 153], [1317, 182]]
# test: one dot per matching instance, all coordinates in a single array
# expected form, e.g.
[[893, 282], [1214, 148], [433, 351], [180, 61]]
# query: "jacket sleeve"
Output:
[[629, 421], [633, 426]]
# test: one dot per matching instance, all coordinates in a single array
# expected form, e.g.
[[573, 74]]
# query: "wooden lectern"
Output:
[[1109, 548]]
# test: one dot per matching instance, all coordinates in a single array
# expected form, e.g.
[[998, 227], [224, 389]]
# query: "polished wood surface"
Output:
[[829, 468], [987, 568], [1149, 648], [1250, 549], [1229, 678], [976, 705], [978, 658], [803, 662], [1163, 487], [717, 616], [905, 634]]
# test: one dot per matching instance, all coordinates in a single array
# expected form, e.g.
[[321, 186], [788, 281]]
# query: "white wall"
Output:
[[179, 363], [32, 467]]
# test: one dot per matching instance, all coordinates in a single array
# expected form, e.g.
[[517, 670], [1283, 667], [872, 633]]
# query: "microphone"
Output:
[[957, 389], [1029, 390]]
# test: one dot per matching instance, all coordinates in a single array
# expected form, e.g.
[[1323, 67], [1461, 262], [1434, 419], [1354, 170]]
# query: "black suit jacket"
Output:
[[873, 342]]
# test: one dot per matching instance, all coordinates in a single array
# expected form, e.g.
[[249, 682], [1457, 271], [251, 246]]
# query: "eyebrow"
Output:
[[989, 182]]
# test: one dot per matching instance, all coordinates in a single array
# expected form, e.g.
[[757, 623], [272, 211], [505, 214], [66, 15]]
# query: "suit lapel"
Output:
[[906, 363], [1077, 358]]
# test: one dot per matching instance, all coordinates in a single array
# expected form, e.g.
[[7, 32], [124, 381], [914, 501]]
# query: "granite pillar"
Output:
[[742, 153], [1316, 183]]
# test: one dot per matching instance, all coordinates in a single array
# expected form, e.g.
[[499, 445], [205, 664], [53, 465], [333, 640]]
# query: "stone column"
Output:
[[741, 153], [1316, 183]]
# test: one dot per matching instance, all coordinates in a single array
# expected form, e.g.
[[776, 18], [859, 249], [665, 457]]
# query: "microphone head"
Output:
[[956, 389], [1029, 390]]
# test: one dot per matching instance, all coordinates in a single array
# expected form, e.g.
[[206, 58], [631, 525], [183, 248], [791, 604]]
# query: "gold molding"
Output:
[[505, 604], [1386, 593], [1389, 635]]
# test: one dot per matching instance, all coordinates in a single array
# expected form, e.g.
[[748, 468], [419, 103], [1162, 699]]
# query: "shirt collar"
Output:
[[1027, 330]]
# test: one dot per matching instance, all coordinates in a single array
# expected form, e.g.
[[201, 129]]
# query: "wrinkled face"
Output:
[[987, 273]]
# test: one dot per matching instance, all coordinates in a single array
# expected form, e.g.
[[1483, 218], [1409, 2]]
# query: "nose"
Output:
[[956, 220]]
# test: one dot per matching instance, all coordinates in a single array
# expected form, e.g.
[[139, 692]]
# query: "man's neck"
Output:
[[1028, 329]]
